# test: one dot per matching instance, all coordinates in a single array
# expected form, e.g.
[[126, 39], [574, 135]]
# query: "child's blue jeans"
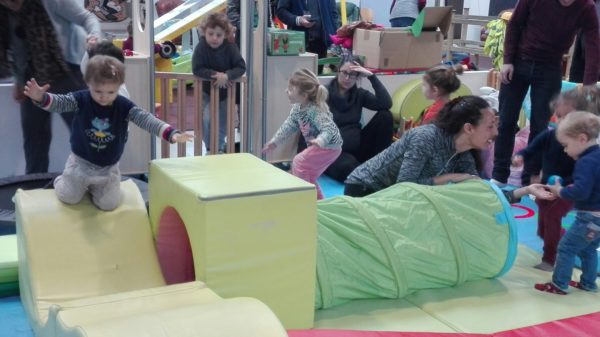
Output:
[[577, 242]]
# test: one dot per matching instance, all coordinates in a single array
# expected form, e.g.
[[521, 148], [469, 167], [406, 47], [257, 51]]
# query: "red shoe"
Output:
[[578, 285], [549, 288]]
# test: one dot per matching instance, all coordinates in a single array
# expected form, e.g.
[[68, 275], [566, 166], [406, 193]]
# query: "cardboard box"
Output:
[[405, 48], [285, 42]]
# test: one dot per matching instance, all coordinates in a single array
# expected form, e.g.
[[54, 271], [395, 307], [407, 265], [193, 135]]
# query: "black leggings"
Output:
[[357, 190]]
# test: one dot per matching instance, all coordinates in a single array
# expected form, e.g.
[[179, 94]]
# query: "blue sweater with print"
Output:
[[585, 190], [99, 133]]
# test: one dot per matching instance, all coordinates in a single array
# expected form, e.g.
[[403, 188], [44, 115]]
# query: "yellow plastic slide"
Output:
[[85, 272]]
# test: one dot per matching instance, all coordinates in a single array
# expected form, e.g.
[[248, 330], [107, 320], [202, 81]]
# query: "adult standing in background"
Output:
[[42, 38], [317, 18], [234, 9], [578, 60], [533, 49], [403, 12]]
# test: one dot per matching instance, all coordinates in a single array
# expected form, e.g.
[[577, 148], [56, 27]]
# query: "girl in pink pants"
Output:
[[310, 114]]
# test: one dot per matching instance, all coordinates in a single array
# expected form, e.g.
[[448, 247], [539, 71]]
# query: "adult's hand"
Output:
[[303, 21], [91, 41], [355, 67], [506, 73], [18, 94], [538, 190]]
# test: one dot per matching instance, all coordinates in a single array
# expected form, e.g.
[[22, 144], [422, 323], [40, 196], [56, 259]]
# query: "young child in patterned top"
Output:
[[310, 114], [98, 132]]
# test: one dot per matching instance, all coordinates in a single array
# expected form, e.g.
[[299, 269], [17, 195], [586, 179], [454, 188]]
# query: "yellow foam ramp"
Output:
[[85, 272], [251, 226]]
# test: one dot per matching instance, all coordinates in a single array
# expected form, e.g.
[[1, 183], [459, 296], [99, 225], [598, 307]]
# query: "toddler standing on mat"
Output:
[[578, 132], [310, 114], [545, 153]]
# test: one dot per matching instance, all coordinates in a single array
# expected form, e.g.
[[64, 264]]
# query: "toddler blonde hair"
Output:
[[308, 84], [580, 122], [103, 69]]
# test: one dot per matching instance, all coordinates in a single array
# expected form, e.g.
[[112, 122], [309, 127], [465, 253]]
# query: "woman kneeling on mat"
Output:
[[439, 153]]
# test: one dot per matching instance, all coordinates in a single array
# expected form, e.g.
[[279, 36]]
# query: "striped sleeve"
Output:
[[288, 128], [58, 103], [153, 125]]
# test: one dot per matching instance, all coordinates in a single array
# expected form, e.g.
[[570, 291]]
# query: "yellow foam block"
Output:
[[188, 309], [69, 252], [86, 272], [252, 228]]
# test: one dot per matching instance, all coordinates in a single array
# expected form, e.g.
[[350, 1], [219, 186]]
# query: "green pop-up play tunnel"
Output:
[[410, 237]]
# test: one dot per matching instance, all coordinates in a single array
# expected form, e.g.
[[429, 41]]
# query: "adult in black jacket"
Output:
[[317, 18], [346, 101]]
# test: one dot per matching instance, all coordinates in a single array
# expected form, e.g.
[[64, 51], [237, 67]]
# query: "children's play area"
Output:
[[228, 241]]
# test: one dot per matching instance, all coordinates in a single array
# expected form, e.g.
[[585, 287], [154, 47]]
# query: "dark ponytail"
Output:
[[459, 111]]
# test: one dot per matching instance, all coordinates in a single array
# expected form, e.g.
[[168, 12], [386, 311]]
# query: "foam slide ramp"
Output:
[[85, 272]]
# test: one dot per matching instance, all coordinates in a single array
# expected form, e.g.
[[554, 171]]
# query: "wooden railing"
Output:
[[463, 45], [197, 111]]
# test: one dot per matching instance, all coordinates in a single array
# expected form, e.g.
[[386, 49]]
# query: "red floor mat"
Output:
[[580, 326]]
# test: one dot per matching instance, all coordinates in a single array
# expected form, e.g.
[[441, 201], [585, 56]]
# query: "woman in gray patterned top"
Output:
[[433, 154]]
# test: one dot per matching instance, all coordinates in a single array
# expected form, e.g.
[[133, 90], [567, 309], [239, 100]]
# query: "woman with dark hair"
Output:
[[433, 154], [346, 101]]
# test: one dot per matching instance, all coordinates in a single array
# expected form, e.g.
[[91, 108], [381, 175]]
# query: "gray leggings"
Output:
[[80, 176]]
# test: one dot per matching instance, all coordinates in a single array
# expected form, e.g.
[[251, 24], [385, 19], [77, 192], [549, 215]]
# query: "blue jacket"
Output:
[[585, 191], [554, 160]]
